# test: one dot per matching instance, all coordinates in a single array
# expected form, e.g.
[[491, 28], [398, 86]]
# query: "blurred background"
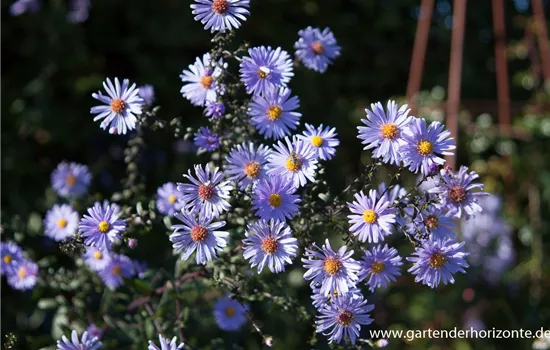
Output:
[[56, 56]]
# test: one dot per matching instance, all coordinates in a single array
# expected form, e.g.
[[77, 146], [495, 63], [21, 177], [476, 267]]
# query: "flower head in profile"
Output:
[[23, 276], [147, 93], [71, 179], [94, 331], [269, 244], [61, 222], [198, 233], [221, 15], [371, 217], [275, 198], [201, 81], [334, 271], [207, 193], [380, 265], [166, 344], [214, 110], [247, 164], [383, 130], [316, 49], [101, 227], [168, 199], [425, 146], [206, 140], [295, 161], [118, 268], [86, 342], [12, 255], [96, 259], [323, 140], [265, 69], [343, 318], [20, 7], [437, 260], [122, 106], [230, 315], [273, 113]]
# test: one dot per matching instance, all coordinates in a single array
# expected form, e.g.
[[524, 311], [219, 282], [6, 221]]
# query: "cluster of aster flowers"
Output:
[[21, 272]]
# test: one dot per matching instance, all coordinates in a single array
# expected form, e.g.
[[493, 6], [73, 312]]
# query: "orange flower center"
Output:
[[252, 170], [206, 81], [262, 74], [117, 105], [389, 131], [205, 192], [274, 112], [199, 233], [275, 200], [345, 318], [431, 222], [317, 48], [378, 266], [70, 180], [172, 199], [98, 255], [220, 6], [116, 270], [425, 148], [437, 260], [332, 265], [62, 223], [457, 194], [230, 311], [7, 258], [269, 245], [22, 272]]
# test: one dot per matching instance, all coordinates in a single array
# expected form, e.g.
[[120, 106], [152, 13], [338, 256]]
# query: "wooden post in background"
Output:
[[542, 35], [501, 67]]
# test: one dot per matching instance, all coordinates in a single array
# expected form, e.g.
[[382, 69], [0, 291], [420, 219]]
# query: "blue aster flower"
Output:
[[101, 227], [147, 93], [96, 259], [323, 140], [168, 199], [94, 331], [71, 179], [22, 6], [206, 140], [424, 145], [23, 276], [122, 106], [384, 131], [265, 69], [334, 271], [12, 255], [247, 164], [380, 265], [343, 318], [230, 315], [275, 198], [78, 10], [165, 344], [433, 222], [458, 192], [87, 342], [372, 218], [207, 193], [269, 244], [214, 110], [61, 222], [118, 268], [202, 81], [273, 113], [198, 234], [221, 15], [316, 49], [296, 161], [319, 299], [437, 260]]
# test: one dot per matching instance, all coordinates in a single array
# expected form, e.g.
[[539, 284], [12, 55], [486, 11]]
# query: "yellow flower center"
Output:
[[22, 272], [377, 267], [220, 6], [172, 199], [98, 255], [317, 141], [116, 270], [293, 163], [431, 222], [62, 223], [317, 48], [345, 318], [370, 216], [332, 265], [199, 233], [274, 112], [262, 74], [7, 258], [70, 180], [230, 311], [118, 105], [437, 260], [275, 200], [206, 81], [252, 170], [425, 148], [389, 131], [103, 226], [269, 245]]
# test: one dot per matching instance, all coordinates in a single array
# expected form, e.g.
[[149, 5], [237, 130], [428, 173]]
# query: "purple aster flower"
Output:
[[372, 218], [319, 299], [94, 331], [166, 344], [322, 140], [275, 198], [207, 193], [343, 318], [335, 271], [316, 49], [437, 260], [393, 193], [273, 113], [201, 78], [200, 234], [22, 6], [433, 222], [458, 193], [23, 276], [296, 162], [214, 110], [265, 69], [221, 15], [147, 93], [168, 199], [118, 268], [230, 315], [269, 244], [61, 222], [122, 106], [384, 130], [424, 146], [206, 140], [101, 227], [380, 265], [12, 255], [87, 342], [71, 179], [79, 10], [246, 164], [96, 259]]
